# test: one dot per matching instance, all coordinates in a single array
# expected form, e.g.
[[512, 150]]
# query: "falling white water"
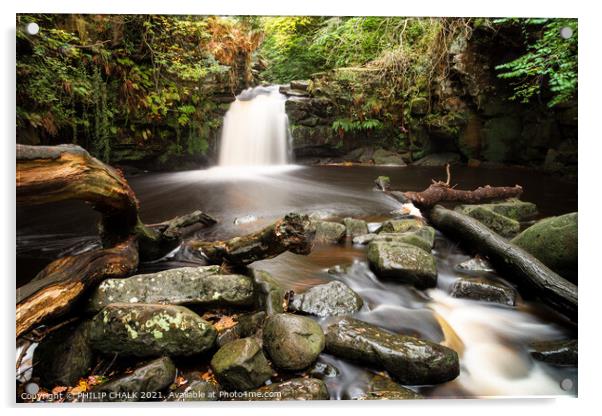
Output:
[[255, 129]]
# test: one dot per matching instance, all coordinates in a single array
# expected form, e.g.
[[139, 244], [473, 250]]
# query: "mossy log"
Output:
[[55, 288], [516, 264], [294, 232]]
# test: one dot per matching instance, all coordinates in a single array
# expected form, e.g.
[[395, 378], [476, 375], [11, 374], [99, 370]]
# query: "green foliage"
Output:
[[550, 62], [345, 125]]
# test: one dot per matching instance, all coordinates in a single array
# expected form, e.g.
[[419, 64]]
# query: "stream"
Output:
[[491, 339]]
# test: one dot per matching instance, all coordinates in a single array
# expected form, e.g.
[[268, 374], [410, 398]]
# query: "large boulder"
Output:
[[270, 294], [145, 330], [387, 158], [484, 290], [330, 299], [293, 389], [558, 353], [137, 386], [355, 227], [514, 208], [504, 226], [403, 262], [423, 238], [410, 360], [64, 356], [401, 226], [292, 342], [329, 232], [241, 365], [186, 285], [554, 242]]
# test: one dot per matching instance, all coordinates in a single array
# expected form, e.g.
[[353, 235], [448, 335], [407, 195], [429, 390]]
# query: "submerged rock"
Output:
[[383, 183], [554, 242], [292, 342], [196, 391], [270, 295], [484, 290], [561, 353], [401, 226], [144, 330], [154, 376], [383, 388], [410, 360], [364, 238], [355, 227], [241, 365], [293, 389], [504, 226], [330, 299], [329, 232], [475, 265], [403, 262], [64, 356], [186, 285]]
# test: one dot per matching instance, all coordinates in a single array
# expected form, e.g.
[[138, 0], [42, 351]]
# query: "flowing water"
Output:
[[491, 340]]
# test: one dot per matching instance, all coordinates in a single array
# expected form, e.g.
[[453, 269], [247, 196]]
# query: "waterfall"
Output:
[[255, 129]]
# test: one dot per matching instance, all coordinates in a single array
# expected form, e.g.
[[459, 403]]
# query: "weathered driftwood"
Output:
[[294, 233], [63, 281], [516, 264]]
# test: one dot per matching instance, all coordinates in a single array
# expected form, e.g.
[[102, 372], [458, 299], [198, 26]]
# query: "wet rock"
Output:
[[292, 342], [387, 158], [383, 183], [270, 295], [364, 238], [401, 226], [301, 85], [423, 238], [241, 365], [438, 159], [321, 370], [410, 360], [330, 299], [514, 208], [504, 226], [554, 242], [152, 377], [144, 330], [383, 388], [560, 353], [483, 290], [475, 265], [64, 356], [196, 391], [294, 389], [246, 326], [355, 227], [182, 286], [329, 232], [403, 262]]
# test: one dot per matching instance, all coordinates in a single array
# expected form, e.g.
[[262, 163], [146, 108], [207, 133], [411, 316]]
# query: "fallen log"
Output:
[[440, 191], [294, 232], [53, 291], [516, 264]]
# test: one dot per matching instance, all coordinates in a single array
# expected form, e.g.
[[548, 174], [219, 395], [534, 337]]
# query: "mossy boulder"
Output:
[[554, 242], [152, 377], [557, 352], [145, 330], [293, 389], [387, 158], [354, 227], [241, 365], [64, 356], [502, 225], [400, 226], [182, 286], [330, 299], [292, 342], [409, 360], [270, 294], [329, 232], [514, 208], [364, 238], [403, 262], [484, 290], [423, 238]]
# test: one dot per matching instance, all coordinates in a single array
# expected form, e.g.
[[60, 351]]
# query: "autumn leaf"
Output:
[[58, 390]]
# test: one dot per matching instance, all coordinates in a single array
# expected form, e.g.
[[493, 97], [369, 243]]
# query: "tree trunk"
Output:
[[55, 288], [516, 264], [293, 233], [440, 192]]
